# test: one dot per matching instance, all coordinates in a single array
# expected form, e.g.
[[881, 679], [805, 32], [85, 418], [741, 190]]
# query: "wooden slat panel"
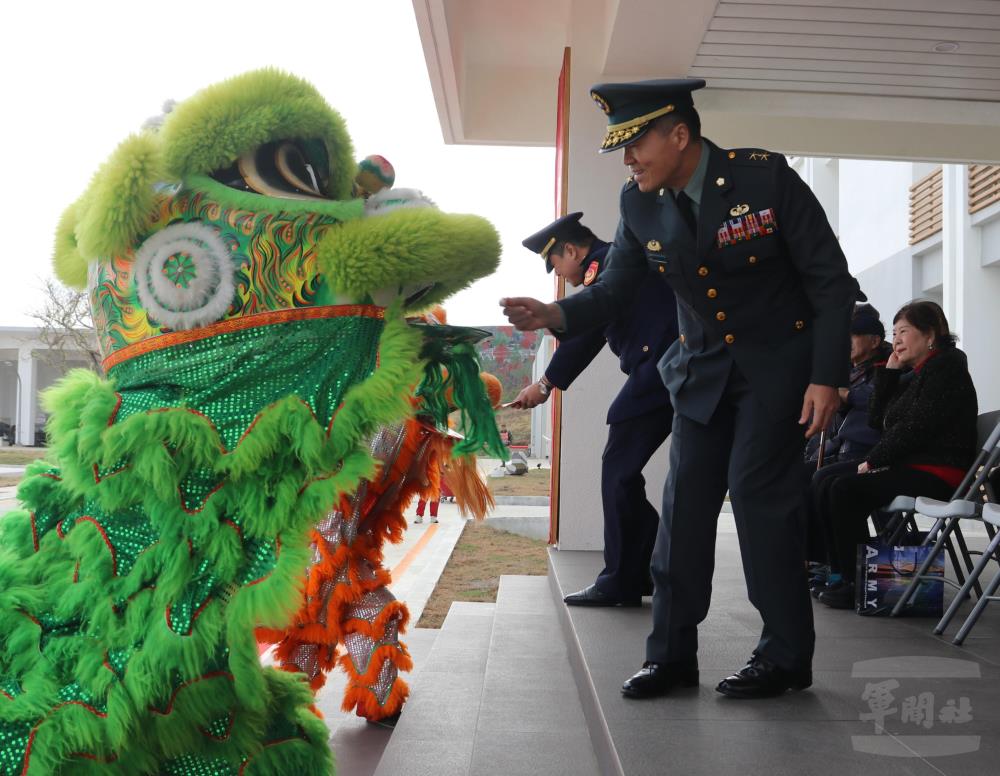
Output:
[[990, 75], [922, 219], [925, 187], [926, 207], [926, 222], [938, 19], [812, 39], [984, 186], [752, 50]]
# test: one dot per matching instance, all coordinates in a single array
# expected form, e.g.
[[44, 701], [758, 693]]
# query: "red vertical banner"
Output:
[[561, 207], [562, 137]]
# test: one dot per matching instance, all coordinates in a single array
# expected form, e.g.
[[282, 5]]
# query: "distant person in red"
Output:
[[422, 506]]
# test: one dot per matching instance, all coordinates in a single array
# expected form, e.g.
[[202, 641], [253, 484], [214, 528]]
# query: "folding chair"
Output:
[[991, 516], [964, 503]]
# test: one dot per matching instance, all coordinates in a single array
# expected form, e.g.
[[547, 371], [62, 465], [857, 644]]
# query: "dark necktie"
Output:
[[687, 212]]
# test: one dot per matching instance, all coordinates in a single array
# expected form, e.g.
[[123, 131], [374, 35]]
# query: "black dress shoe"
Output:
[[655, 679], [592, 596], [839, 595], [760, 678]]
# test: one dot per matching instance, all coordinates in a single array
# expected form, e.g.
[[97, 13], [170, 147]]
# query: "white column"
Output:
[[954, 242], [26, 372], [971, 291]]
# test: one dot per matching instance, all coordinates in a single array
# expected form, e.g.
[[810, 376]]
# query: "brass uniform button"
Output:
[[645, 348], [732, 154], [662, 268], [681, 338], [702, 271], [712, 293], [752, 259], [800, 325], [730, 339], [720, 316]]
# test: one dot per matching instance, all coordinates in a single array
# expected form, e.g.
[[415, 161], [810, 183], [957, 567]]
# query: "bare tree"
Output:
[[66, 328]]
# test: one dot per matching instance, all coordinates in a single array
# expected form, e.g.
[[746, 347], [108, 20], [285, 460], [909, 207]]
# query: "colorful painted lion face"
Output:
[[237, 211]]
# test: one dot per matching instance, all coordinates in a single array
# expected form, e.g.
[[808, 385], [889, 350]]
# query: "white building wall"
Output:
[[594, 183], [874, 210], [24, 375]]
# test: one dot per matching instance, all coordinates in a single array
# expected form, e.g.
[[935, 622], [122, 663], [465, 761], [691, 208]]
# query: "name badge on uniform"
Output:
[[591, 274], [746, 227]]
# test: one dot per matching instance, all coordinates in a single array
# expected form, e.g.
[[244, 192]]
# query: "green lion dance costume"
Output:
[[252, 317]]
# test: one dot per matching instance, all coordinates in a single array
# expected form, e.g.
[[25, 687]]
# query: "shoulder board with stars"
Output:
[[591, 274], [754, 156]]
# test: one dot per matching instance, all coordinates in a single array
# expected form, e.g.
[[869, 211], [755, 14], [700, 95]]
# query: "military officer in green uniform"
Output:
[[764, 300]]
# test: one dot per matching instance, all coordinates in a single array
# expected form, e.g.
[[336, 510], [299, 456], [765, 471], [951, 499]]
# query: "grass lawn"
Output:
[[19, 456], [481, 555], [535, 482]]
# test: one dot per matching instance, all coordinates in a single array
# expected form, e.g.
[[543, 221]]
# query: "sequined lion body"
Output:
[[251, 315]]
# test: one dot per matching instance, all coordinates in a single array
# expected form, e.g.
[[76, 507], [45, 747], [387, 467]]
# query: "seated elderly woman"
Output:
[[925, 403]]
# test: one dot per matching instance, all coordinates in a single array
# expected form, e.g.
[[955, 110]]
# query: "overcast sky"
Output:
[[79, 77]]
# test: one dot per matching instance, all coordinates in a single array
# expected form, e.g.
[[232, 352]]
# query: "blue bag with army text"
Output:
[[885, 571]]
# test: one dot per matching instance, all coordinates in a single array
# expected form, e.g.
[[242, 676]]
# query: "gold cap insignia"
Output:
[[653, 245], [601, 103], [619, 134]]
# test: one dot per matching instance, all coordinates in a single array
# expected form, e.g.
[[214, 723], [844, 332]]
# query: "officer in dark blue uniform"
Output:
[[764, 304], [639, 418]]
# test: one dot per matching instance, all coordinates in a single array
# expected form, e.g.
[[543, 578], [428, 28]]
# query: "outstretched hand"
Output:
[[820, 402], [527, 314], [529, 397]]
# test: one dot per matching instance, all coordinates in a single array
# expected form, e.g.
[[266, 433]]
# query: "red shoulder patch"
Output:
[[590, 274]]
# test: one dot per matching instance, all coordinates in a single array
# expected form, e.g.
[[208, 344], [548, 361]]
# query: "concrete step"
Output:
[[531, 720], [436, 731], [357, 745], [496, 696]]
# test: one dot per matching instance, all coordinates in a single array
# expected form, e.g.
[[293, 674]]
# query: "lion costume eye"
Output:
[[287, 169], [184, 275]]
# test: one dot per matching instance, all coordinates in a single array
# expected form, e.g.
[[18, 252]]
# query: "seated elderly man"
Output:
[[853, 437]]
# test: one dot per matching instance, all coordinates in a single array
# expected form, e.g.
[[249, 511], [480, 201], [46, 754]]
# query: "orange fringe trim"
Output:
[[366, 704], [424, 458]]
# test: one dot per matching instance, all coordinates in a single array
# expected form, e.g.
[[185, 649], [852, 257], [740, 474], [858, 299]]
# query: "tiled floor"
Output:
[[820, 731]]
